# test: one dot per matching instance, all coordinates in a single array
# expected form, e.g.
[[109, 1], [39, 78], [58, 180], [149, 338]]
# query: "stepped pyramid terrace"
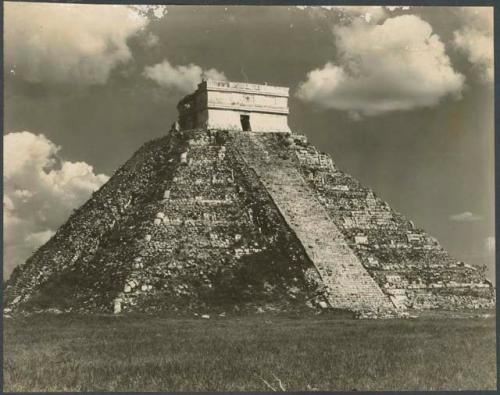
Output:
[[232, 211]]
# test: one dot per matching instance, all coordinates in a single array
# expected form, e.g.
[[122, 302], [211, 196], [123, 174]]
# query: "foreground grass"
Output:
[[142, 353]]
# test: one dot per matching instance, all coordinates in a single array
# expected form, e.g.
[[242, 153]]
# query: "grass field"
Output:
[[143, 353]]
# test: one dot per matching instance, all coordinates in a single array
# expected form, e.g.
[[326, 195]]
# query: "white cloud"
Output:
[[156, 11], [397, 7], [466, 216], [372, 14], [182, 78], [490, 244], [151, 40], [354, 116], [397, 65], [475, 39], [40, 192], [61, 43], [367, 13]]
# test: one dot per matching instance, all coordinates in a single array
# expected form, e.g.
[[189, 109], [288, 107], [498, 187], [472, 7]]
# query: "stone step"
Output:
[[349, 285]]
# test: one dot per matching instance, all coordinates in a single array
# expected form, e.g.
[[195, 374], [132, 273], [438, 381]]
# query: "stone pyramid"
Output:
[[217, 217]]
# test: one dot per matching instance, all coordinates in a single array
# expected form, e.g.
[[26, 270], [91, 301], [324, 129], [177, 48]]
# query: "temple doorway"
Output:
[[245, 123]]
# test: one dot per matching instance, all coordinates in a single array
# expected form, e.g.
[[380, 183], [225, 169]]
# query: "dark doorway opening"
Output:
[[245, 123]]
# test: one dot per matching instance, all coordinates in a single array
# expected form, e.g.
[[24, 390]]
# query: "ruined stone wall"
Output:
[[193, 229], [203, 240], [408, 264], [76, 242], [205, 219]]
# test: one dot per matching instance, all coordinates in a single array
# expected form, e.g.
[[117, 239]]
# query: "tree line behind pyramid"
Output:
[[212, 220]]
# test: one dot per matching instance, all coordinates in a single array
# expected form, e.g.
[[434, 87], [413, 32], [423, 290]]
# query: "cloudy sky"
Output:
[[402, 98]]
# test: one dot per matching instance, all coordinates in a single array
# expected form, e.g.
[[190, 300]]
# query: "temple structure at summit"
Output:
[[235, 106]]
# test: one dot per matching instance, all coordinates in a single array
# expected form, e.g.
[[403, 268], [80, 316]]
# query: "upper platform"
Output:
[[235, 106]]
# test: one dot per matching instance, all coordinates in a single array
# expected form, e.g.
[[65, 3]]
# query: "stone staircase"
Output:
[[348, 285]]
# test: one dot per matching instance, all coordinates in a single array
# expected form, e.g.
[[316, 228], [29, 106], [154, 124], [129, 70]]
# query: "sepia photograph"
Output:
[[267, 198]]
